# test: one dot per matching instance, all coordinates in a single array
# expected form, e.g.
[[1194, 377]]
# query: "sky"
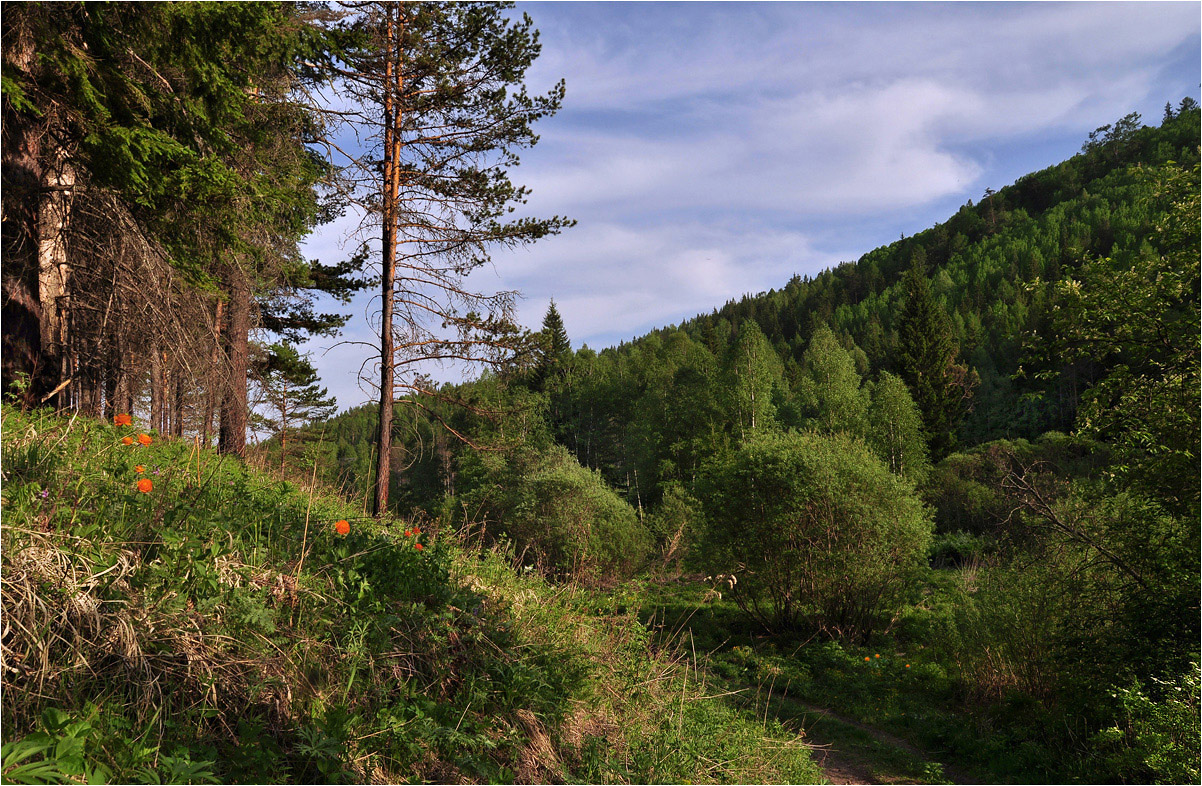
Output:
[[711, 150]]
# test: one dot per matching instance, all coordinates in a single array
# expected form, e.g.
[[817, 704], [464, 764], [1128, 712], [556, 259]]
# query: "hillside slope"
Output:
[[173, 616]]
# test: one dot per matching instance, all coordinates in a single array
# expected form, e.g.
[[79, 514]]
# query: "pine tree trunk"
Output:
[[392, 154], [156, 389], [232, 438], [177, 407]]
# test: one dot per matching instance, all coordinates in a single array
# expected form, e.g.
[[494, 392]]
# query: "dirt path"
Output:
[[848, 751]]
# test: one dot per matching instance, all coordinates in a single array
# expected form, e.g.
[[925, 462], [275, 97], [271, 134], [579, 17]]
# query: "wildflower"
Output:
[[907, 665], [878, 654], [417, 530], [122, 420], [866, 658], [127, 440], [408, 533], [139, 469], [145, 439], [145, 485], [342, 527], [45, 493], [417, 546]]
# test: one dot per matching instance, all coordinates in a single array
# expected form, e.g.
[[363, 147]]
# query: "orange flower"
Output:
[[145, 485], [417, 530], [145, 439], [418, 546], [867, 658], [127, 440], [342, 527], [878, 654], [907, 665], [409, 533], [139, 469], [122, 420]]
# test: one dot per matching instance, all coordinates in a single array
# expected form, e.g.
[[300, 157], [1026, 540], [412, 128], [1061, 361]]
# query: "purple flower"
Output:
[[45, 493]]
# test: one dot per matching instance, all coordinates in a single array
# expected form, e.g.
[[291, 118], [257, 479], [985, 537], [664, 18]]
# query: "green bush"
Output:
[[1154, 741], [564, 520], [815, 529]]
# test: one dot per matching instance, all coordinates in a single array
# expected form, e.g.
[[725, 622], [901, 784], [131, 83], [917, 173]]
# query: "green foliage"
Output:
[[816, 530], [927, 353], [561, 516], [1157, 739], [1138, 318], [829, 387], [895, 429]]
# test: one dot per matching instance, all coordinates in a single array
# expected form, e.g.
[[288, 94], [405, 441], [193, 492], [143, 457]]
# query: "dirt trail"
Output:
[[845, 762]]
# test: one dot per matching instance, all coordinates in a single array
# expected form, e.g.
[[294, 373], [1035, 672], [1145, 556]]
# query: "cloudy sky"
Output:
[[709, 150]]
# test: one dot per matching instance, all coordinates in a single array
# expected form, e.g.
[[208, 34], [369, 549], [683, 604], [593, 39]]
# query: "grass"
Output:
[[217, 628], [879, 704]]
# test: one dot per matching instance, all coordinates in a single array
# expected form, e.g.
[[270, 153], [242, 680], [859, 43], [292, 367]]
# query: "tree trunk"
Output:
[[177, 406], [156, 390], [232, 438], [392, 154], [214, 382], [54, 274]]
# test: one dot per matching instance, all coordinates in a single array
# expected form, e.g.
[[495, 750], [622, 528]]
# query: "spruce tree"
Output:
[[554, 348], [927, 353]]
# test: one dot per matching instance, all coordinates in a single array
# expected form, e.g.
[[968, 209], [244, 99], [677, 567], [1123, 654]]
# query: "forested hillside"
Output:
[[1009, 397]]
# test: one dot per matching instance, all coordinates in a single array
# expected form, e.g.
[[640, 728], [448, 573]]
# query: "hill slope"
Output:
[[173, 616]]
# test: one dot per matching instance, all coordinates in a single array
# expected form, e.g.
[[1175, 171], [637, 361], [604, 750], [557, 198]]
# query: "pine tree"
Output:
[[290, 393], [440, 86]]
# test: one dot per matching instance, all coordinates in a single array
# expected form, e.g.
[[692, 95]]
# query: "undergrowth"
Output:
[[171, 616]]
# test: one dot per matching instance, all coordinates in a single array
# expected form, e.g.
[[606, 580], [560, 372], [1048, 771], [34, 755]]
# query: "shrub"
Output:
[[815, 529], [1154, 741], [563, 518]]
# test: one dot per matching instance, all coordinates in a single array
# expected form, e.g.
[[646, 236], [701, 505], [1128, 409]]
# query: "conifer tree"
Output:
[[554, 347], [444, 111], [927, 353], [290, 393]]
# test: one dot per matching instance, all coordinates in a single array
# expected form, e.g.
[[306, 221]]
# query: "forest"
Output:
[[929, 516]]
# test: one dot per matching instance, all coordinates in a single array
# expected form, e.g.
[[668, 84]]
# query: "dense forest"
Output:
[[975, 450]]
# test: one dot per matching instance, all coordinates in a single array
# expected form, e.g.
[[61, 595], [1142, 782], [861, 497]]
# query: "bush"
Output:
[[1154, 741], [815, 529], [563, 518]]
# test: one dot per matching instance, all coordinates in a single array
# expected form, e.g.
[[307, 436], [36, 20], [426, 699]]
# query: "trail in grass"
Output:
[[848, 751]]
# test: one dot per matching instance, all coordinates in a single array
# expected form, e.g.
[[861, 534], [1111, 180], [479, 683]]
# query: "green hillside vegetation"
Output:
[[172, 616], [975, 448]]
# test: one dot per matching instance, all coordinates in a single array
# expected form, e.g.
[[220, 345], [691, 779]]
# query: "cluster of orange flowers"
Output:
[[413, 533], [145, 485], [125, 420], [342, 527], [878, 655]]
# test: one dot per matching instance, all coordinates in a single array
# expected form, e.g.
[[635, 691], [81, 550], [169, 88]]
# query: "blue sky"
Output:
[[709, 150]]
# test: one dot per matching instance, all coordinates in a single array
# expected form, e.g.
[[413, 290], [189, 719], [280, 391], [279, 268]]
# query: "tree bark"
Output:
[[54, 274], [214, 381], [232, 438], [156, 389], [393, 81]]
